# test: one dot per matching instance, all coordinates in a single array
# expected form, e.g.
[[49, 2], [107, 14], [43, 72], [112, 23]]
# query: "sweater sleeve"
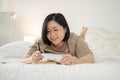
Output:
[[32, 49], [81, 48]]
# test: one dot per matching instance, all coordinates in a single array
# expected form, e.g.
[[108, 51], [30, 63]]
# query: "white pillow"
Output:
[[14, 49]]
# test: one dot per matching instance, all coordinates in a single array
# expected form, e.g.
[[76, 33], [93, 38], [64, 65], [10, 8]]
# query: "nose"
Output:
[[52, 34]]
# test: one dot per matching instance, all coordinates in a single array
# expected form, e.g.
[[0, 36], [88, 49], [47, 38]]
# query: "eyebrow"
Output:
[[53, 27]]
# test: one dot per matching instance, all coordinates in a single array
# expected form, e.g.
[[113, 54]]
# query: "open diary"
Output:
[[50, 58]]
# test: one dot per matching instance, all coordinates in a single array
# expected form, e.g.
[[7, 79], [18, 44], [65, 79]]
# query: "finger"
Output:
[[65, 60], [36, 56], [67, 63], [40, 57], [37, 53], [66, 57]]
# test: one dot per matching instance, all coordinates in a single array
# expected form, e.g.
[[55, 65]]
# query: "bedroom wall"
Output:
[[91, 13], [5, 27]]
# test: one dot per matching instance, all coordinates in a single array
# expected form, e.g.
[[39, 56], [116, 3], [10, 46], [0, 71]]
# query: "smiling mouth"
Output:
[[54, 39]]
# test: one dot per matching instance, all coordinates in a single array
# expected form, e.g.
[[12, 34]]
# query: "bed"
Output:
[[104, 45]]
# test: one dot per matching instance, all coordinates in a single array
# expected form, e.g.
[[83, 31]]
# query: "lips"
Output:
[[53, 39]]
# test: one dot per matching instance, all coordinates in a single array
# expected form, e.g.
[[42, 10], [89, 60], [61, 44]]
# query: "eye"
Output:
[[55, 29], [48, 31]]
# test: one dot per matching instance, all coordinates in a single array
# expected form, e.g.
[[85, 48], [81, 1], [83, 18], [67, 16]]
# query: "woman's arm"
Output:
[[33, 55], [85, 59], [68, 59], [26, 59], [36, 56], [88, 58], [82, 51]]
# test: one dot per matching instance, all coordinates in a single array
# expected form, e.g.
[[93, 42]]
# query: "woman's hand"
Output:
[[36, 56], [29, 59], [68, 59]]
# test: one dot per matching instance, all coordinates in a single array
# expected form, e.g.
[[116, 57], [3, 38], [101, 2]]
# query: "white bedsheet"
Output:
[[13, 69], [104, 45]]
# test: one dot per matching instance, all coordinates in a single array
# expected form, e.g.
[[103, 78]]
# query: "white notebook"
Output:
[[51, 57]]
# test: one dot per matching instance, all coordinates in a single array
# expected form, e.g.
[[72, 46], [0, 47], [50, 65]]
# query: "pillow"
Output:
[[102, 43], [14, 49]]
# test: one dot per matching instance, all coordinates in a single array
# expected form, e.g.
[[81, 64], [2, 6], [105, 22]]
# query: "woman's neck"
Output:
[[58, 47]]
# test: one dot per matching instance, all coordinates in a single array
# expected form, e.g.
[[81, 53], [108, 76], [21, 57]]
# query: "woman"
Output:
[[57, 39]]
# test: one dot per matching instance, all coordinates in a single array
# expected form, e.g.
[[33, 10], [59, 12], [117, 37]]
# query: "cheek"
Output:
[[61, 35], [48, 37]]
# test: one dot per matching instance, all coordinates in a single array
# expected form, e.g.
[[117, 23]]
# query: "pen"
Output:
[[38, 47]]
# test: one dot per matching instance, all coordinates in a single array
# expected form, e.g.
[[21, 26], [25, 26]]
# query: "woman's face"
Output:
[[55, 32]]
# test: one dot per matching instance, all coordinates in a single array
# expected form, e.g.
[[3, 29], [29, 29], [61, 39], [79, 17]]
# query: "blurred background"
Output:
[[23, 19]]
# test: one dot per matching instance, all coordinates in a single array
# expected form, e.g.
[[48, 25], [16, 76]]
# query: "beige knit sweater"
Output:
[[75, 46]]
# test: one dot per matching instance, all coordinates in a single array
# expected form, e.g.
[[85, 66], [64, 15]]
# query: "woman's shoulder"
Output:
[[72, 41], [73, 36]]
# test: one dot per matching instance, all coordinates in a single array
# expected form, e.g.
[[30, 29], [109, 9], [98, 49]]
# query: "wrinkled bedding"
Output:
[[104, 45], [13, 69]]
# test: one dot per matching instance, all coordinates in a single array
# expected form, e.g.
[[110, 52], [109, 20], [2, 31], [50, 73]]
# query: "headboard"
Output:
[[103, 43]]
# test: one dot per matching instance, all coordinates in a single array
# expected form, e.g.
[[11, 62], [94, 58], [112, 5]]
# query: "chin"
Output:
[[55, 43]]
